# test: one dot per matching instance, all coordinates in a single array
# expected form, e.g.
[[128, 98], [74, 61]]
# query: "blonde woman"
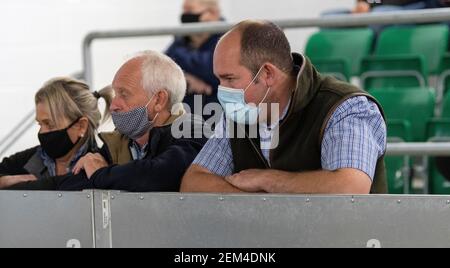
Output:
[[68, 115]]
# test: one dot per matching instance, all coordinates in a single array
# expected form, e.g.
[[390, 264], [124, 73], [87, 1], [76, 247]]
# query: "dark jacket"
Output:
[[28, 162], [17, 164], [197, 62], [161, 170]]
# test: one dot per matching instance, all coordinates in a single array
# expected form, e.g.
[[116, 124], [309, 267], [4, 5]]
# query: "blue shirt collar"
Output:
[[282, 117], [138, 152], [50, 164]]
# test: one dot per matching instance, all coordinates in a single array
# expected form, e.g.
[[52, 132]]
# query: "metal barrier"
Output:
[[234, 221], [46, 219], [215, 221]]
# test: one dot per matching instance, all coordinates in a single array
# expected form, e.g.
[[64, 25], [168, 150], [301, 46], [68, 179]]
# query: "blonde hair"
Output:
[[70, 99]]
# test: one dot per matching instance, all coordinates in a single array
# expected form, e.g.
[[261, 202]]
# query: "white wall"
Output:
[[286, 9], [41, 39]]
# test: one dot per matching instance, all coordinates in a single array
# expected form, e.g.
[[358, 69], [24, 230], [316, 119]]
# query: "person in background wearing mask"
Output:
[[330, 137], [144, 154], [194, 54], [68, 115]]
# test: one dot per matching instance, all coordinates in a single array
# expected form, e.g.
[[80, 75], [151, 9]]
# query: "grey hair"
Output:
[[159, 72]]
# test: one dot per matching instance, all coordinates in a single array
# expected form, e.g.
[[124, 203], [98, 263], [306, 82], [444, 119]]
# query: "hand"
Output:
[[252, 181], [361, 7], [90, 163], [197, 86], [8, 181]]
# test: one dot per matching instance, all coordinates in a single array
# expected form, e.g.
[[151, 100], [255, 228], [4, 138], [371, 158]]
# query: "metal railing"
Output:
[[404, 17], [419, 149], [422, 150], [17, 132]]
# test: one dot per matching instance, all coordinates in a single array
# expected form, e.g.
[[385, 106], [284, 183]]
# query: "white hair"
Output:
[[159, 72]]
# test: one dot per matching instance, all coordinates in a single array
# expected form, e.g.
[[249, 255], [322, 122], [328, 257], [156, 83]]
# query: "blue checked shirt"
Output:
[[355, 137], [138, 152]]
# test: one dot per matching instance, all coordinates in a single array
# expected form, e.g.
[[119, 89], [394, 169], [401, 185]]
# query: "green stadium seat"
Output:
[[409, 54], [339, 51], [444, 80], [393, 72], [438, 131], [399, 129], [414, 105], [431, 41], [445, 113], [338, 68], [398, 174], [438, 128], [398, 168]]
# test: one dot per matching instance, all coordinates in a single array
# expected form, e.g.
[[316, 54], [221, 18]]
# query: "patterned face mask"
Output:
[[135, 123]]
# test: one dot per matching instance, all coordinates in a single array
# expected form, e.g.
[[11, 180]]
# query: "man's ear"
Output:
[[270, 72], [162, 100]]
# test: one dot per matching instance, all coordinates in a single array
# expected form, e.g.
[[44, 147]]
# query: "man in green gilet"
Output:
[[329, 137]]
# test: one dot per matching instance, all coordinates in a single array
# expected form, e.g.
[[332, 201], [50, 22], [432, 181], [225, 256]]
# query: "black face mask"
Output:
[[57, 144], [190, 18]]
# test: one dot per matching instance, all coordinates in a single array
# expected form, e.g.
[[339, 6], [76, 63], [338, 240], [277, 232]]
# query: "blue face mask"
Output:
[[235, 107]]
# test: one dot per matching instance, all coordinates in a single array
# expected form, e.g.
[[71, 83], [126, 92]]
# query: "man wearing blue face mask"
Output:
[[143, 154], [329, 137]]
